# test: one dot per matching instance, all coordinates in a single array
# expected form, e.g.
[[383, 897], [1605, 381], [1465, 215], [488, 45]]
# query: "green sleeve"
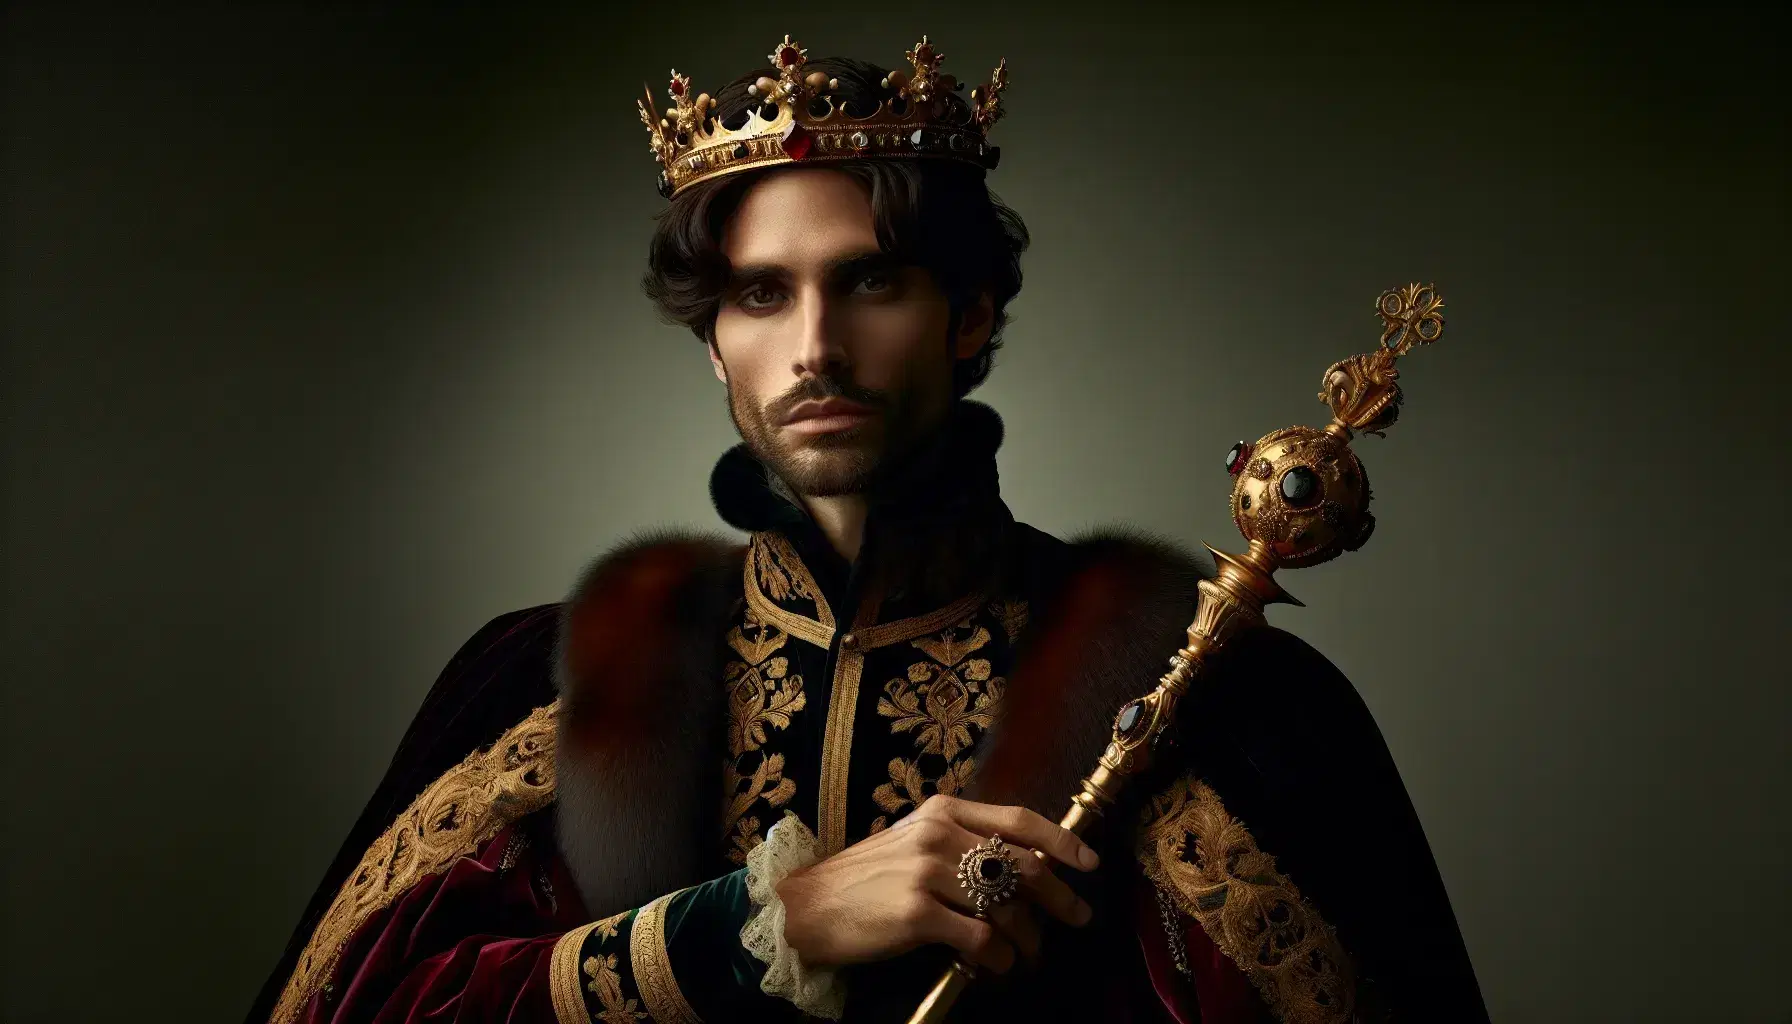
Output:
[[676, 960]]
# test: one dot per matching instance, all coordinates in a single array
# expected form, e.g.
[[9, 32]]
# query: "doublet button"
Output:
[[849, 642]]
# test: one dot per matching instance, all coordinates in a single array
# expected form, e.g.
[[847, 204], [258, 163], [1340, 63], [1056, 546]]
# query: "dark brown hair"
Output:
[[936, 214]]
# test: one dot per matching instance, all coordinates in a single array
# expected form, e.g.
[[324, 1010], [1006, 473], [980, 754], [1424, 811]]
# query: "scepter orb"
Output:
[[1301, 491]]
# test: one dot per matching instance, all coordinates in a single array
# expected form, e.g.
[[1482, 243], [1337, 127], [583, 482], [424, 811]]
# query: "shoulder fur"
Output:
[[1105, 636], [637, 668]]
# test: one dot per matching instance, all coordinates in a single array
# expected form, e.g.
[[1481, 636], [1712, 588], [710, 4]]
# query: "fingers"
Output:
[[1020, 826], [979, 942], [1052, 893], [1019, 924], [1036, 883]]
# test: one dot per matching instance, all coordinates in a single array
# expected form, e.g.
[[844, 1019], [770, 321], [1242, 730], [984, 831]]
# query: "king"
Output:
[[796, 777]]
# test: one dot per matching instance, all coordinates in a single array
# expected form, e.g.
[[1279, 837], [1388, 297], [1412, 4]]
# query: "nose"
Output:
[[820, 350]]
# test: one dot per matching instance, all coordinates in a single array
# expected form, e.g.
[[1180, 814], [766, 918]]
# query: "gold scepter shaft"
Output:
[[1300, 496]]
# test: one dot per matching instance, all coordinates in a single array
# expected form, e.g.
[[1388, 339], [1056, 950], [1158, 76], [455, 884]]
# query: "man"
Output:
[[891, 683]]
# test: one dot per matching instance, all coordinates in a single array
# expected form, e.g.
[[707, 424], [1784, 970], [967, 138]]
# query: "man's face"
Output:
[[835, 357]]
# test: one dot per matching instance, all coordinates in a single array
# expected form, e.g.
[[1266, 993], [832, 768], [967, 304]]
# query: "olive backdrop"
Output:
[[325, 344]]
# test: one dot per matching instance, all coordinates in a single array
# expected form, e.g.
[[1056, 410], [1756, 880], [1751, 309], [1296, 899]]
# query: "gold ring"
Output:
[[989, 872]]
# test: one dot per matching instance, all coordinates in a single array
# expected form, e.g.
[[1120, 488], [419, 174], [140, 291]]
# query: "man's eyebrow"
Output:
[[848, 265], [754, 273], [854, 265]]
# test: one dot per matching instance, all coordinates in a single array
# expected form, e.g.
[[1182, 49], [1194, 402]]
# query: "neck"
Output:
[[841, 520]]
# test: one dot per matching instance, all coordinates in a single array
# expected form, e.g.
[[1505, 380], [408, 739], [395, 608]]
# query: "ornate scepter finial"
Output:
[[1300, 492]]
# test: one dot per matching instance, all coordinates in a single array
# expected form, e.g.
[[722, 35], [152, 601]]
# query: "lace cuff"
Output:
[[818, 992]]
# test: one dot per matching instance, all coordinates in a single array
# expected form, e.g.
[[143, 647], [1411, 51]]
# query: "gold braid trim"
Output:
[[653, 966], [836, 752], [469, 804], [1209, 863], [563, 976], [843, 703]]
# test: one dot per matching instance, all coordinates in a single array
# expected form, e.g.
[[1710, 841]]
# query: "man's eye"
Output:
[[758, 297], [871, 284]]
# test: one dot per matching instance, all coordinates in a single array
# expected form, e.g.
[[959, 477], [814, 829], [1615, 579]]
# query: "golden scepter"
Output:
[[1300, 497]]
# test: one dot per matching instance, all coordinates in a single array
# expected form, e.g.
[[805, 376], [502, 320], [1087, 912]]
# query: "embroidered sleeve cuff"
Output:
[[674, 961], [818, 992], [588, 979]]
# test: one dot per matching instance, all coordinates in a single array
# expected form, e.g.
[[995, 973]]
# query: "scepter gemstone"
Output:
[[1235, 458], [1300, 486], [1129, 717]]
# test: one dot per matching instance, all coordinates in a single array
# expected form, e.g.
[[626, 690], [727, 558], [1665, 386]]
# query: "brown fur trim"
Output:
[[639, 670], [1106, 638]]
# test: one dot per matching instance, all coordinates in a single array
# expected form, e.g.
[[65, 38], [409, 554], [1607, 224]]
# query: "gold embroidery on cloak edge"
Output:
[[469, 804], [1209, 863]]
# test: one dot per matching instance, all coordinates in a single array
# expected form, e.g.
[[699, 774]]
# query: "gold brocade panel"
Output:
[[852, 743], [948, 696]]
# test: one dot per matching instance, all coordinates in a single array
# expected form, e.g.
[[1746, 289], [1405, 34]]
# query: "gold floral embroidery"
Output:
[[466, 806], [606, 929], [1012, 614], [781, 572], [774, 574], [908, 787], [606, 984], [941, 699], [947, 701], [767, 782], [743, 839], [1209, 863], [762, 694]]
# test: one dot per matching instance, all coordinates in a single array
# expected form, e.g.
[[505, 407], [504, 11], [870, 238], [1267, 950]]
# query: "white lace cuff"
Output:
[[818, 992]]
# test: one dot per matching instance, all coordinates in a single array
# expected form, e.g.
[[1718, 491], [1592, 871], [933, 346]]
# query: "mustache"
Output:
[[819, 388]]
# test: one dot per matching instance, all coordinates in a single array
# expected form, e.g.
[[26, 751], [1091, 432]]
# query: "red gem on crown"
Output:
[[796, 141]]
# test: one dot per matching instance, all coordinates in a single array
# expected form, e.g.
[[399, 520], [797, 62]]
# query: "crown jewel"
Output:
[[917, 117]]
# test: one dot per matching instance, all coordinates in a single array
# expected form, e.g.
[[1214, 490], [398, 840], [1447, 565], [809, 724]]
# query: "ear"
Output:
[[974, 326], [715, 361]]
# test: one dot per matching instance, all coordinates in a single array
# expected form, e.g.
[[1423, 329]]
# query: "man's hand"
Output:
[[899, 889]]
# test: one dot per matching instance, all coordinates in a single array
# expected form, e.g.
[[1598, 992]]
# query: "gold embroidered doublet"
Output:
[[852, 726]]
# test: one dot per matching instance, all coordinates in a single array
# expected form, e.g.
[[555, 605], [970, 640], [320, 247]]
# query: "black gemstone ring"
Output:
[[988, 870]]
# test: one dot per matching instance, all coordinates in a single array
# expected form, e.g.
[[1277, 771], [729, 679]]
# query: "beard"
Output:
[[833, 464]]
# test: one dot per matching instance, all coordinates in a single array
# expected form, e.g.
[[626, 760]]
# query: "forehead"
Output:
[[800, 219]]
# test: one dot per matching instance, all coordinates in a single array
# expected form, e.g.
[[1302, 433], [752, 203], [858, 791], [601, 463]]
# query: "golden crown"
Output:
[[917, 119]]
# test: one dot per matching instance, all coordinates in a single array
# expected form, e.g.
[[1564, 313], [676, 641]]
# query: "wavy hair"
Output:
[[935, 214]]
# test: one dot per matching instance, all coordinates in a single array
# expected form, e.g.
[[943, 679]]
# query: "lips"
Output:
[[826, 407], [826, 416]]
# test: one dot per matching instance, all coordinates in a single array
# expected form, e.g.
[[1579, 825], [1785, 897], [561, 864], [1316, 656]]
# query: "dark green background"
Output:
[[324, 345]]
